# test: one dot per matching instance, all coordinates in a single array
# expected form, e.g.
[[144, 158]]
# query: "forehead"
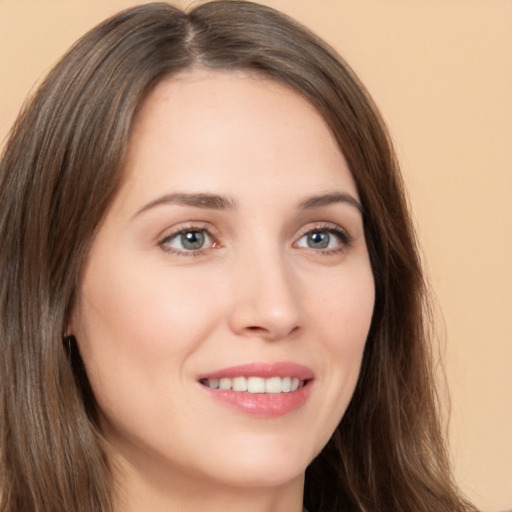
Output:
[[207, 129]]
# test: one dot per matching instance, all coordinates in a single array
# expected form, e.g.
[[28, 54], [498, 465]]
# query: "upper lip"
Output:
[[262, 369]]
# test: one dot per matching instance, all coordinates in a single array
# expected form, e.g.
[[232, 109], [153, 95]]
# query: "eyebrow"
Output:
[[198, 200], [328, 199], [217, 202]]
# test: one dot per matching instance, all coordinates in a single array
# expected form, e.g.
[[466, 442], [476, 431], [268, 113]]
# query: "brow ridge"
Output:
[[197, 200], [218, 202], [328, 199]]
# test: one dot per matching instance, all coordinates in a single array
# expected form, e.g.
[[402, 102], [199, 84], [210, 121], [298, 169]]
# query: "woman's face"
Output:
[[233, 256]]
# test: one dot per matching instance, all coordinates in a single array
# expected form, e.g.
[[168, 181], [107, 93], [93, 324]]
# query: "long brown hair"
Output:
[[59, 171]]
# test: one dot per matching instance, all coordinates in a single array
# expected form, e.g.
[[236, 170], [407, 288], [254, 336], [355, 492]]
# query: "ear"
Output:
[[70, 328]]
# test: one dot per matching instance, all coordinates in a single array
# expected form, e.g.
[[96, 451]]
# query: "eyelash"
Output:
[[344, 238], [182, 231]]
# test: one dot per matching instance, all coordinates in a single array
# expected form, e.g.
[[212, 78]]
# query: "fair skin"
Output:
[[235, 239]]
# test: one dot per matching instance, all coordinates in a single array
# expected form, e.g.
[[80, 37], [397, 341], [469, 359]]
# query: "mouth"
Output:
[[254, 384], [260, 389]]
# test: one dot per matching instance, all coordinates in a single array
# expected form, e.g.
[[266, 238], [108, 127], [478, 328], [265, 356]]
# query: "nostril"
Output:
[[270, 334], [256, 329]]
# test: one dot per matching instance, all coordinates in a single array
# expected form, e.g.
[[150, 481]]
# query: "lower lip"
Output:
[[263, 405]]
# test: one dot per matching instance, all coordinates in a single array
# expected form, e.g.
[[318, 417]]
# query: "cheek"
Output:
[[149, 311], [340, 317], [343, 317], [344, 309], [136, 329]]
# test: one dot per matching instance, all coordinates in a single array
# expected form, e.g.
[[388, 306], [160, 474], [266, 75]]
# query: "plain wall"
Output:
[[441, 72]]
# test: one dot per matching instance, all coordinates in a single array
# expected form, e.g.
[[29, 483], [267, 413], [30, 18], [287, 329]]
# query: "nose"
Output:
[[266, 302]]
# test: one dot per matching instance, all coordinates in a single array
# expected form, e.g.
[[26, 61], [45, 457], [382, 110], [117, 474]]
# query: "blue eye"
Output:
[[189, 240], [324, 239]]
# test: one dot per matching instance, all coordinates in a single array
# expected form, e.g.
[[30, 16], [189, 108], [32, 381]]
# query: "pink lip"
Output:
[[264, 405], [260, 369]]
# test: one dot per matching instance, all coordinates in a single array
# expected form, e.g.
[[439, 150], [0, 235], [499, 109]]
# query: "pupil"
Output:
[[318, 240], [193, 240]]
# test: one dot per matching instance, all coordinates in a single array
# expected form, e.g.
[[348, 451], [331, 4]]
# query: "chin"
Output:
[[253, 475], [272, 465]]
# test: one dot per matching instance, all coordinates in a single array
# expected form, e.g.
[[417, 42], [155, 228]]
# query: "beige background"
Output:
[[441, 71]]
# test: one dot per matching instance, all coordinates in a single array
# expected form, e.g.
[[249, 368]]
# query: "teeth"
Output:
[[225, 384], [273, 385], [239, 384], [255, 384]]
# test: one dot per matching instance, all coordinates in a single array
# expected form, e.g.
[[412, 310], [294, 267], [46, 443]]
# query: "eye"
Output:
[[189, 240], [325, 239]]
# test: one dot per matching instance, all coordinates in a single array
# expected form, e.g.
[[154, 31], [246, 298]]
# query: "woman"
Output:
[[211, 294]]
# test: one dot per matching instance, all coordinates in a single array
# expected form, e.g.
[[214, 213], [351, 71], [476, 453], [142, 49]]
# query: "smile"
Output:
[[264, 390], [255, 384]]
